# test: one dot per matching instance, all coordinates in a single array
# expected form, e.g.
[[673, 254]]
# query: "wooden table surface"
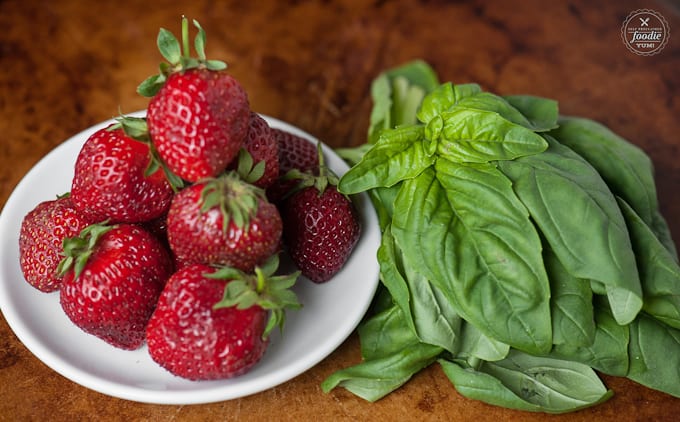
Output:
[[66, 65]]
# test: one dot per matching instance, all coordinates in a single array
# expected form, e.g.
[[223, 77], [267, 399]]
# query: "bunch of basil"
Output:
[[521, 249]]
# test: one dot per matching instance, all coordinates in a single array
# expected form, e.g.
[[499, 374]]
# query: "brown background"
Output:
[[65, 65]]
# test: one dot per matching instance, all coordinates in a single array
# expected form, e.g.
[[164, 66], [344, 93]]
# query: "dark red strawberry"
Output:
[[113, 276], [198, 114], [261, 165], [213, 324], [223, 221], [321, 225], [111, 180], [42, 233], [295, 153]]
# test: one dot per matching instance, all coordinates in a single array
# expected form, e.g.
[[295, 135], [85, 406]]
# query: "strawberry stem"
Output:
[[185, 38], [319, 151], [259, 280], [178, 55]]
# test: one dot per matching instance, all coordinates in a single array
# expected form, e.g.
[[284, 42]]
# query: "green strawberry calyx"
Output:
[[320, 180], [262, 288], [236, 199], [136, 128], [247, 168], [178, 57], [77, 249]]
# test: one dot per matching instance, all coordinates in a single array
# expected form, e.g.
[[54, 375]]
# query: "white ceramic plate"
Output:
[[330, 312]]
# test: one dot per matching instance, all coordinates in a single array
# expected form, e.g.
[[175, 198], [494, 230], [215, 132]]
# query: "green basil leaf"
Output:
[[435, 103], [625, 168], [609, 351], [420, 78], [463, 91], [381, 301], [487, 101], [399, 154], [418, 73], [555, 385], [374, 379], [443, 99], [383, 201], [391, 353], [598, 288], [571, 305], [530, 386], [381, 114], [652, 362], [477, 345], [542, 113], [406, 101], [391, 275], [384, 334], [484, 387], [478, 136], [352, 155], [426, 310], [581, 221], [659, 271], [485, 258], [434, 316], [660, 228]]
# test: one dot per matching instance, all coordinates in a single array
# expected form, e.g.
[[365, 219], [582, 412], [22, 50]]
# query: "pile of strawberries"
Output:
[[172, 231]]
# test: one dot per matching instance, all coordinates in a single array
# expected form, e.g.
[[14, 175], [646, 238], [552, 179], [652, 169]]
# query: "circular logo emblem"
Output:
[[645, 32]]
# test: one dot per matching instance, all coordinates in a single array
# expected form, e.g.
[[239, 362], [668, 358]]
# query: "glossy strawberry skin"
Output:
[[320, 231], [262, 145], [200, 237], [41, 235], [109, 181], [198, 122], [191, 339], [117, 290]]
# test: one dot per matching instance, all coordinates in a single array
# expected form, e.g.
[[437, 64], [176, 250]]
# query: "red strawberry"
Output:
[[212, 324], [295, 153], [198, 116], [261, 167], [113, 276], [198, 122], [42, 232], [321, 225], [110, 180], [223, 221]]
